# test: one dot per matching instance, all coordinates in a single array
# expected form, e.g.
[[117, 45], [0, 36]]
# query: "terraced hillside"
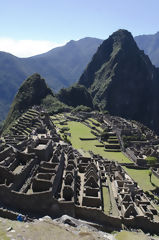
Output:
[[83, 136], [63, 165]]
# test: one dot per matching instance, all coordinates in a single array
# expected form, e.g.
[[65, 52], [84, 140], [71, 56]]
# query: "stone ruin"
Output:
[[137, 141], [40, 174]]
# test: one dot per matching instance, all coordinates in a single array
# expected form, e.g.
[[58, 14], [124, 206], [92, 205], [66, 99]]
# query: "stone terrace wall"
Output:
[[36, 202], [41, 203], [110, 222], [97, 216], [5, 174], [143, 223]]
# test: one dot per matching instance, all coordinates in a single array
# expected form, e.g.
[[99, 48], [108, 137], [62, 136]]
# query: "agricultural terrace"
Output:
[[143, 179], [79, 130]]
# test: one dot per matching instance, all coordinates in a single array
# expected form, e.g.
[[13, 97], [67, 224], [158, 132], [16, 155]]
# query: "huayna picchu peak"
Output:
[[122, 80]]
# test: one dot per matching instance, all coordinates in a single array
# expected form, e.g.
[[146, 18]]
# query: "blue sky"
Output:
[[28, 27]]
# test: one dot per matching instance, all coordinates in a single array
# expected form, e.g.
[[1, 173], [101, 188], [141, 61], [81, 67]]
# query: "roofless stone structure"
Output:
[[41, 174]]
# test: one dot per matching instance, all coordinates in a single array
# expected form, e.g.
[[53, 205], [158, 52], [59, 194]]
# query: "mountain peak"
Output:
[[124, 38], [111, 48], [32, 91], [122, 80]]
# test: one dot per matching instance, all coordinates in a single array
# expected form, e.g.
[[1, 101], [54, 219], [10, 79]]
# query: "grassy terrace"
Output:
[[91, 121], [78, 130], [143, 179]]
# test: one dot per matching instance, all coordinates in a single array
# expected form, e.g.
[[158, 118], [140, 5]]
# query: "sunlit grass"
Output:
[[143, 179], [78, 130]]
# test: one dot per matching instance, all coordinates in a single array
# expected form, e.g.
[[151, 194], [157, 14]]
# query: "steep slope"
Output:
[[150, 45], [60, 67], [122, 80], [75, 96], [68, 62], [11, 73], [31, 92]]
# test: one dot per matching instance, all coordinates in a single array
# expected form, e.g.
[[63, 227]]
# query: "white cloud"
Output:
[[26, 48]]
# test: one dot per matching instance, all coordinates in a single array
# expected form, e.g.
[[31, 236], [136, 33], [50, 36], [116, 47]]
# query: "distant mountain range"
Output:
[[61, 67], [119, 78], [150, 45]]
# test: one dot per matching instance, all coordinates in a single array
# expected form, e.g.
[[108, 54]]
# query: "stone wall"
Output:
[[36, 202], [143, 223], [45, 153], [21, 177], [97, 216]]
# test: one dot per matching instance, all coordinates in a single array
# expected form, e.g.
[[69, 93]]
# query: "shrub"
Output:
[[62, 130], [81, 108], [151, 160]]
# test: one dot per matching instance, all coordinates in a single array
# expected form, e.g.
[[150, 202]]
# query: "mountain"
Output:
[[75, 96], [122, 80], [150, 45], [33, 91], [60, 67]]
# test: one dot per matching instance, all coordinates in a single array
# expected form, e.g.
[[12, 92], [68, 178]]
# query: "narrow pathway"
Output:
[[82, 187]]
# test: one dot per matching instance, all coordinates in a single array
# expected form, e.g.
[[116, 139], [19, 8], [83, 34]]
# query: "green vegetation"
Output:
[[53, 105], [151, 160], [81, 108], [66, 139], [127, 139], [133, 138], [64, 129], [31, 93], [125, 235], [78, 130], [63, 66], [94, 123], [75, 96], [113, 74], [143, 179]]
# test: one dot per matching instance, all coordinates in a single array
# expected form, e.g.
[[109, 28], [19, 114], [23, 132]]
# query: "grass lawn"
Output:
[[78, 130], [91, 121], [143, 179], [106, 200]]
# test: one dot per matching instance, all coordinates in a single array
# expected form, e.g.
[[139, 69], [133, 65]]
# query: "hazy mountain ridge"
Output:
[[60, 67], [150, 45]]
